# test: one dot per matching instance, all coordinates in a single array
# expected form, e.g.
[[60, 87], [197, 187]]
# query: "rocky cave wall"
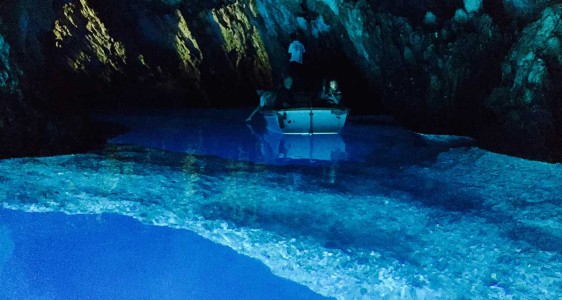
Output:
[[489, 69]]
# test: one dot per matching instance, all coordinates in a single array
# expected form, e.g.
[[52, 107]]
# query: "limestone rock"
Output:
[[527, 105]]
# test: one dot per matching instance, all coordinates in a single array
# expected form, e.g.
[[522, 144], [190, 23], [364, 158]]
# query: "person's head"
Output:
[[288, 82], [259, 92], [293, 36], [333, 85]]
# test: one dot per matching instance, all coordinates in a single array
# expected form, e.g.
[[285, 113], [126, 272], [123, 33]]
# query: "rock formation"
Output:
[[488, 69]]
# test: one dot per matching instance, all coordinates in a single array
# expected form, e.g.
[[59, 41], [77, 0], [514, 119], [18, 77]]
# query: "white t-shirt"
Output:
[[296, 49]]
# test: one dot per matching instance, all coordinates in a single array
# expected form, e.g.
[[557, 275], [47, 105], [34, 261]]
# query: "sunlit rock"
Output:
[[188, 49], [94, 50], [420, 61], [243, 44]]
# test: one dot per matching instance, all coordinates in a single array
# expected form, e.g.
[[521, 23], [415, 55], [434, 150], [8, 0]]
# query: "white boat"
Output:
[[310, 120]]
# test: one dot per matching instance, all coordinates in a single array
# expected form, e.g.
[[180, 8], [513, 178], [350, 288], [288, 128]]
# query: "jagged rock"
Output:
[[460, 16], [9, 82], [472, 6], [525, 9], [436, 65], [429, 19], [527, 106]]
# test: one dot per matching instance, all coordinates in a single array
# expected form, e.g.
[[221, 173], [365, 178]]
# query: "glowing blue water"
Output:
[[375, 213], [54, 256]]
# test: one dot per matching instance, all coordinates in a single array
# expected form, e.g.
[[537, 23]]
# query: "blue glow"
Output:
[[55, 256], [380, 213], [212, 132]]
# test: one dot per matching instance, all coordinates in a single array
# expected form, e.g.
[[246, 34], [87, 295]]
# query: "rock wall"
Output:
[[527, 105], [433, 75], [61, 59], [196, 53], [489, 69]]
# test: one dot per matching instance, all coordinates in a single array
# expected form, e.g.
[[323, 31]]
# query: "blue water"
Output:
[[377, 212], [55, 256], [224, 134]]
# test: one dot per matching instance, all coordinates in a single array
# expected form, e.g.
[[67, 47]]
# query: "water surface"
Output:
[[377, 212]]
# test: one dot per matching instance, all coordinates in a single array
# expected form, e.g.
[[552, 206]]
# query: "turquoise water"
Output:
[[375, 213]]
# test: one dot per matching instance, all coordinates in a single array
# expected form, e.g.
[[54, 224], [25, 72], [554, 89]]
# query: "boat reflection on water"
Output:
[[324, 147]]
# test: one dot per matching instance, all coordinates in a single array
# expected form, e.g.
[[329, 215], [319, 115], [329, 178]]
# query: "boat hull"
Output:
[[315, 120]]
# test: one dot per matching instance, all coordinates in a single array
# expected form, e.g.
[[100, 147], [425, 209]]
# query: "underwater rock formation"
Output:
[[437, 66]]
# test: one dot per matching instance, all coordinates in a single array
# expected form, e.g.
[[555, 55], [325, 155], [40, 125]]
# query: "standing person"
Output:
[[296, 50]]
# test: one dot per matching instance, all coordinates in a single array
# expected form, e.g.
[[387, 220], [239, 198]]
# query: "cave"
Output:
[[280, 149], [440, 66]]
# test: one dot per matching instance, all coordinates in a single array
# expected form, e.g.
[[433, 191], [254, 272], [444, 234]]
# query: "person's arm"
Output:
[[323, 94], [333, 97], [269, 98], [337, 97], [248, 119]]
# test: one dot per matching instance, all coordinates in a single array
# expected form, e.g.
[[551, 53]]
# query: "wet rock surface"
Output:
[[487, 69], [526, 105]]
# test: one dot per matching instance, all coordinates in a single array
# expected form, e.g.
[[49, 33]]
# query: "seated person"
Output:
[[282, 98], [267, 101], [285, 97], [331, 94]]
